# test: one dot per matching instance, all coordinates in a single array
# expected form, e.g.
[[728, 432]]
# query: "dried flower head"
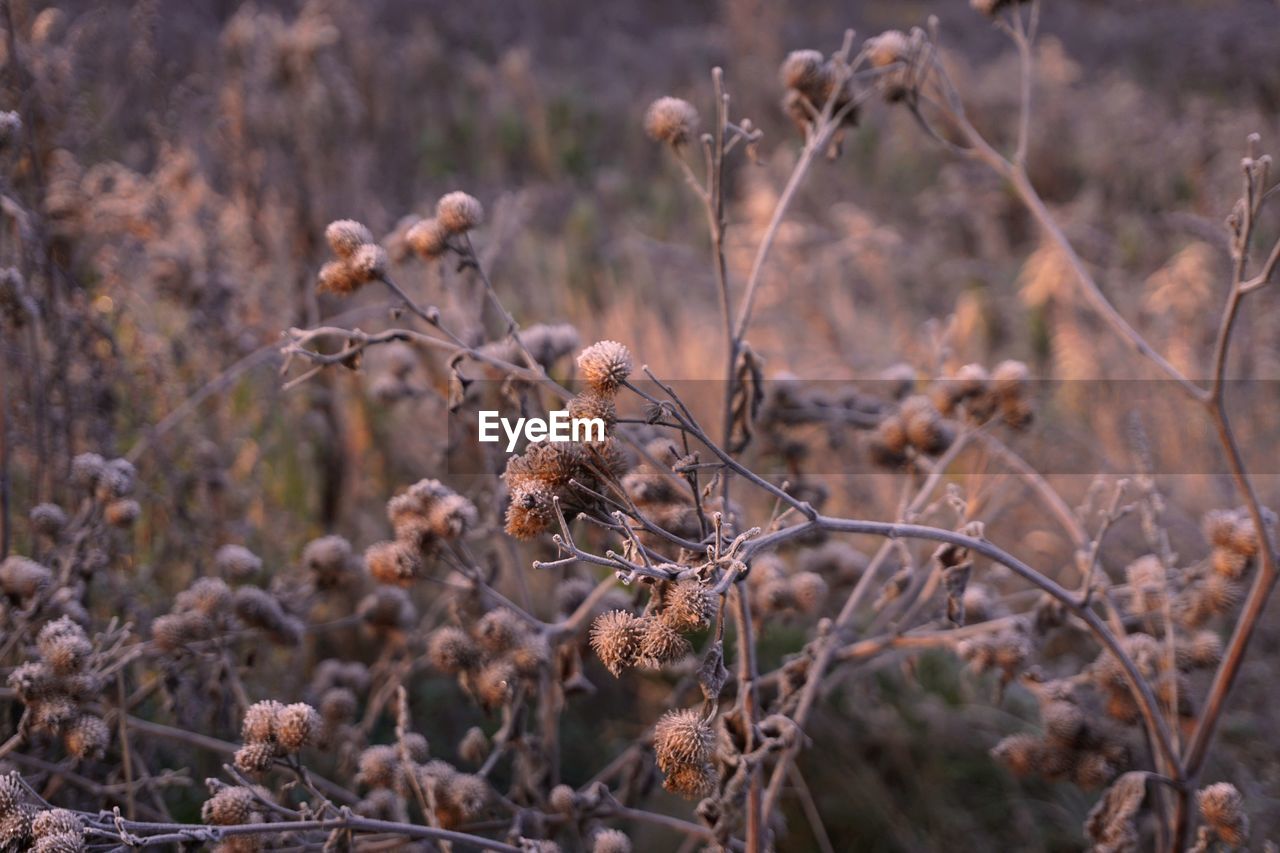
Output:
[[57, 822], [23, 578], [615, 638], [86, 737], [807, 72], [48, 519], [379, 766], [499, 630], [691, 781], [64, 646], [234, 804], [259, 724], [451, 650], [671, 120], [610, 841], [296, 726], [395, 562], [237, 563], [428, 238], [604, 366], [688, 605], [1222, 808], [682, 737], [661, 644], [346, 236], [529, 513], [255, 757], [809, 590], [458, 213]]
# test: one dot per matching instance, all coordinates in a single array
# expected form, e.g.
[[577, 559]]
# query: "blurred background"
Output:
[[183, 160]]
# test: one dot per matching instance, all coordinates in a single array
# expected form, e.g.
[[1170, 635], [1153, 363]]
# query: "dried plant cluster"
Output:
[[730, 605]]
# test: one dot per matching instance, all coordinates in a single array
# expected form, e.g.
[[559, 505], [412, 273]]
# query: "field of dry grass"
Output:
[[937, 347]]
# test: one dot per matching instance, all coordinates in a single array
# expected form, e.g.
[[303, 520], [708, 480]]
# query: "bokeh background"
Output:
[[185, 158]]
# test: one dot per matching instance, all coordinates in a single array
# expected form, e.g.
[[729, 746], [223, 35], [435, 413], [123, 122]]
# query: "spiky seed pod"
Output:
[[255, 757], [1020, 753], [338, 277], [237, 563], [530, 655], [884, 51], [15, 827], [12, 793], [563, 800], [296, 726], [387, 608], [332, 561], [121, 513], [1205, 649], [474, 747], [381, 804], [807, 72], [499, 630], [1092, 770], [1228, 563], [379, 767], [346, 236], [809, 590], [86, 737], [661, 644], [63, 645], [926, 431], [417, 747], [530, 512], [465, 795], [689, 605], [395, 562], [48, 519], [23, 578], [1063, 721], [428, 238], [591, 405], [59, 842], [682, 737], [369, 263], [56, 822], [604, 365], [610, 841], [775, 596], [458, 212], [691, 781], [671, 120], [259, 724], [452, 517], [176, 630], [1009, 378], [1222, 807], [338, 705], [495, 683], [209, 596], [615, 638], [1220, 594], [87, 470], [451, 651], [230, 806]]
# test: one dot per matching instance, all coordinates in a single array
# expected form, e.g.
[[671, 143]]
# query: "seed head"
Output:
[[387, 608], [474, 746], [207, 596], [86, 737], [346, 236], [121, 513], [688, 606], [610, 841], [495, 683], [691, 781], [56, 822], [64, 646], [428, 238], [671, 120], [452, 517], [807, 72], [499, 630], [338, 277], [15, 827], [661, 644], [379, 766], [331, 560], [255, 757], [237, 562], [682, 737], [1020, 753], [230, 806], [22, 577], [48, 519], [615, 638], [458, 213], [451, 651], [12, 794], [1222, 807], [369, 263], [604, 365], [338, 705], [809, 590], [395, 562], [592, 404], [296, 726], [529, 513]]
